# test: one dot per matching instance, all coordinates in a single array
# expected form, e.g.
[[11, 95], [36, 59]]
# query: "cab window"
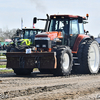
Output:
[[59, 24], [81, 28], [74, 27]]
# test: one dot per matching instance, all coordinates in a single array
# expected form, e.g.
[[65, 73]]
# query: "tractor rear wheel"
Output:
[[64, 61], [89, 58], [23, 71]]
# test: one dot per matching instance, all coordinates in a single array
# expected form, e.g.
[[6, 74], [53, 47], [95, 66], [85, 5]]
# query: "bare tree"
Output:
[[7, 34]]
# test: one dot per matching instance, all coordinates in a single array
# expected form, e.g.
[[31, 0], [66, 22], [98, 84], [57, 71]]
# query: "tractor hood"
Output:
[[49, 35]]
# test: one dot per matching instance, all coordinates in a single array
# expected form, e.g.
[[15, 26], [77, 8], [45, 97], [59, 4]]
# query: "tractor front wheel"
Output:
[[64, 61]]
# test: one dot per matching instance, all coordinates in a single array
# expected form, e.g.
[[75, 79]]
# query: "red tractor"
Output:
[[63, 48]]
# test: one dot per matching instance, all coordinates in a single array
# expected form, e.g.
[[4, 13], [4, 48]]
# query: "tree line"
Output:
[[7, 34]]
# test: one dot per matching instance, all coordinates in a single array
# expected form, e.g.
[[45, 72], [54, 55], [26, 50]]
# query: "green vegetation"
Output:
[[2, 66], [6, 71], [2, 56], [9, 71], [35, 69]]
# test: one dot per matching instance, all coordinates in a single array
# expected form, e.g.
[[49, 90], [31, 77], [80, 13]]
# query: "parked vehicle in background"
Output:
[[25, 39]]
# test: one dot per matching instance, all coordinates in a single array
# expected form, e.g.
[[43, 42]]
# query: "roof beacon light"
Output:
[[54, 17], [87, 15]]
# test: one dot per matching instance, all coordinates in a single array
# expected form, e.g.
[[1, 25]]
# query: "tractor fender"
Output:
[[80, 38], [86, 38]]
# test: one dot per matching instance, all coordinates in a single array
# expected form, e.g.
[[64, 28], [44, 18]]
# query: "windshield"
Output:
[[29, 33], [59, 24]]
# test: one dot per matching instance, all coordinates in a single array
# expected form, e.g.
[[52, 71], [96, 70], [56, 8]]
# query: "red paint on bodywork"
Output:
[[77, 42], [50, 35], [68, 16]]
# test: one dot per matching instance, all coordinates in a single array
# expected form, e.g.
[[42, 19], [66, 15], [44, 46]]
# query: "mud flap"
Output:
[[42, 60]]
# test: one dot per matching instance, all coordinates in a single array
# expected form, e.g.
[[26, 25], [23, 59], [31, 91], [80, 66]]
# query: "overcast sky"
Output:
[[11, 12]]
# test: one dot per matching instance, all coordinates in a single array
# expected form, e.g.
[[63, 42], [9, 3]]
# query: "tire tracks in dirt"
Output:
[[48, 87]]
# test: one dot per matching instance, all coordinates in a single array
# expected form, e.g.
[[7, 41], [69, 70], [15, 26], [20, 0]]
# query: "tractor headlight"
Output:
[[40, 38], [37, 46], [44, 45]]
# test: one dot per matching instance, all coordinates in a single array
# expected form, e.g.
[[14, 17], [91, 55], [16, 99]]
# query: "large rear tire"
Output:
[[88, 56], [64, 61]]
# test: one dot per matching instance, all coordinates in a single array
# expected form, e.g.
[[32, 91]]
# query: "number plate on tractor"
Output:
[[28, 51]]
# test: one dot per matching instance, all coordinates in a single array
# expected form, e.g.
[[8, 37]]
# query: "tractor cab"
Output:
[[29, 33], [28, 36], [70, 26], [62, 30]]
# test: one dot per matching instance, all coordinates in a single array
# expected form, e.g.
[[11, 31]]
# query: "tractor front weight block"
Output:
[[46, 60]]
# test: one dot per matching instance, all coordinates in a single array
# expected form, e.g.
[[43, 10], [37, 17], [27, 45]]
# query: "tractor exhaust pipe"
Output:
[[47, 22]]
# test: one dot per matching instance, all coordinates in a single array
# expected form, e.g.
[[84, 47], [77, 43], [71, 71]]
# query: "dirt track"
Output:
[[47, 87]]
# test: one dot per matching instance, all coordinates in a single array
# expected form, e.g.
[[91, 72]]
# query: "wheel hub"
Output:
[[66, 61], [94, 57]]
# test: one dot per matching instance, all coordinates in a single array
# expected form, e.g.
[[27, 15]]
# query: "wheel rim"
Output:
[[94, 58], [66, 61]]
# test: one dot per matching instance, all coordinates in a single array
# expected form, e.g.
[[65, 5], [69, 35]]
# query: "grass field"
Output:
[[6, 71], [2, 66], [2, 57]]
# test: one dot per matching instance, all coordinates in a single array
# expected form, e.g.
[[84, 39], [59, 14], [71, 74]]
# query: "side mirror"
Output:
[[86, 32], [80, 20], [35, 20]]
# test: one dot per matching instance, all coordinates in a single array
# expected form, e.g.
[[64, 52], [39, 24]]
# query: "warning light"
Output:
[[87, 15], [71, 34]]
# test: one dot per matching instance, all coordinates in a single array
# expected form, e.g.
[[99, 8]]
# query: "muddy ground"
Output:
[[47, 87]]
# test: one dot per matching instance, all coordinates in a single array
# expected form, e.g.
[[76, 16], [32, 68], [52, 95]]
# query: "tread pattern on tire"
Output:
[[83, 58], [60, 50]]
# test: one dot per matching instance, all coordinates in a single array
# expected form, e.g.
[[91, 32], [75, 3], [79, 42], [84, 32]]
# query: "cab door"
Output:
[[73, 31]]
